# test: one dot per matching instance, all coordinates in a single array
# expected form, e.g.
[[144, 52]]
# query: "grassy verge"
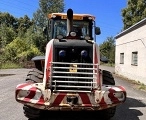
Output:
[[136, 84], [141, 86], [108, 64], [12, 65], [9, 65]]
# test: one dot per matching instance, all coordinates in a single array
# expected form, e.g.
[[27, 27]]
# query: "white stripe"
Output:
[[37, 97], [91, 98], [107, 99], [27, 87], [117, 89]]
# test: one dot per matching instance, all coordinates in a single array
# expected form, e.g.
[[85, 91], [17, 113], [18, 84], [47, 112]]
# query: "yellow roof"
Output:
[[75, 16]]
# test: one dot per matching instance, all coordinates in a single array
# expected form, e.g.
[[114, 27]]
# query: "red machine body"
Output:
[[70, 78]]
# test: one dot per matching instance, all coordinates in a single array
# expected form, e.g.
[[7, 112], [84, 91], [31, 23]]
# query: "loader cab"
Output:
[[82, 27]]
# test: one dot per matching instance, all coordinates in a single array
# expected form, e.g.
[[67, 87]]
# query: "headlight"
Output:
[[23, 93], [84, 53], [59, 36], [119, 95], [73, 34], [62, 53], [87, 38]]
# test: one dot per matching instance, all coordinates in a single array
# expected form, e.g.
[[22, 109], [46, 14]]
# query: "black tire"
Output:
[[34, 76], [31, 113], [107, 114], [108, 78]]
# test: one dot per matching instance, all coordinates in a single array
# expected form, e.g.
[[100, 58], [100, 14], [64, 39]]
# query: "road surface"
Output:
[[133, 109]]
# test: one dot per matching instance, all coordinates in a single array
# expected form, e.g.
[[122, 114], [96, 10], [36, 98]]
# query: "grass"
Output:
[[108, 64], [136, 84], [141, 86], [9, 65]]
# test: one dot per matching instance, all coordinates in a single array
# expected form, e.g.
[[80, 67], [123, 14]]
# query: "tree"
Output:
[[40, 19], [134, 12], [22, 38], [107, 49], [7, 26], [46, 7], [7, 35], [7, 19], [24, 23], [35, 38], [20, 50]]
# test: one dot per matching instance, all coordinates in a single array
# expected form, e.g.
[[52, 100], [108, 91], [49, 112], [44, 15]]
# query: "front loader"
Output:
[[68, 76]]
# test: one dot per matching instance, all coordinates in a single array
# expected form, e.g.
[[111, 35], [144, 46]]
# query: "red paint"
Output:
[[31, 94], [124, 91], [103, 104], [85, 99], [41, 100], [23, 85], [112, 97], [96, 59], [122, 88], [48, 64], [58, 99], [20, 87]]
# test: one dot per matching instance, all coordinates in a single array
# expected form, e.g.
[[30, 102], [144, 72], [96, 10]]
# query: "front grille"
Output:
[[73, 77]]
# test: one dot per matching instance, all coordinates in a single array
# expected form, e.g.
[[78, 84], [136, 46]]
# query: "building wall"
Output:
[[128, 43]]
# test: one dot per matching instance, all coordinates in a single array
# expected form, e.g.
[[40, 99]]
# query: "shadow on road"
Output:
[[129, 110], [126, 111]]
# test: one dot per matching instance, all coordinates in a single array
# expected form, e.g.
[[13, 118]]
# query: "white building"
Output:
[[130, 60]]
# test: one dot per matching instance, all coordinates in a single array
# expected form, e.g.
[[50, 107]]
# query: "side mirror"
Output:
[[97, 31], [104, 60], [45, 30]]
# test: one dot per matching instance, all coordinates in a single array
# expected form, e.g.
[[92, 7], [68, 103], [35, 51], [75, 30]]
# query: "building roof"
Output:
[[133, 27], [75, 16]]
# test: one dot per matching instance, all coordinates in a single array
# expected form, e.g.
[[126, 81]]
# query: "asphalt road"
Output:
[[133, 109]]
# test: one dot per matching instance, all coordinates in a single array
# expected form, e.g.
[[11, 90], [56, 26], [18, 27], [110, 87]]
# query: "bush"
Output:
[[9, 65], [19, 51]]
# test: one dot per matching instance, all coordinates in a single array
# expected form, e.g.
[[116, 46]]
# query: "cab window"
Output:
[[80, 27]]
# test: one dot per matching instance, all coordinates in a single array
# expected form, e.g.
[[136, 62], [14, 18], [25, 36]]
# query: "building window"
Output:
[[135, 58], [121, 58]]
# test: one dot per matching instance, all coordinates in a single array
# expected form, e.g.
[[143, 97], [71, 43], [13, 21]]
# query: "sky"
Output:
[[107, 12]]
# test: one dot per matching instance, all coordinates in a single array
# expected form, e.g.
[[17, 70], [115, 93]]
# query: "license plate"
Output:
[[73, 68]]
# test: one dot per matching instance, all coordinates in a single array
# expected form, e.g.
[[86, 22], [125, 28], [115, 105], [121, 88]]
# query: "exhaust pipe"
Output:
[[69, 21]]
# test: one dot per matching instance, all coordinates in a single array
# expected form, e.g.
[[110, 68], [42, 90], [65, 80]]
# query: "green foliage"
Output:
[[41, 15], [107, 49], [20, 50], [7, 19], [7, 35], [134, 12], [10, 65], [24, 23], [22, 38], [36, 38], [46, 7], [49, 6]]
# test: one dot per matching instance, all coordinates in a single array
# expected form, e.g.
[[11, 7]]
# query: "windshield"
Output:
[[80, 27]]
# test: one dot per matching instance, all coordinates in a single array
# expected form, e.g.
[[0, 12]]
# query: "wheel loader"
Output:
[[68, 77]]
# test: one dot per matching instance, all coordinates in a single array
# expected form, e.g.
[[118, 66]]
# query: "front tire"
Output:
[[108, 79], [34, 76], [31, 113]]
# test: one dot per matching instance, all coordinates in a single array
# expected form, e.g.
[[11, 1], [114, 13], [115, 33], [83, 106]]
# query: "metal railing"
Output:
[[73, 77]]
